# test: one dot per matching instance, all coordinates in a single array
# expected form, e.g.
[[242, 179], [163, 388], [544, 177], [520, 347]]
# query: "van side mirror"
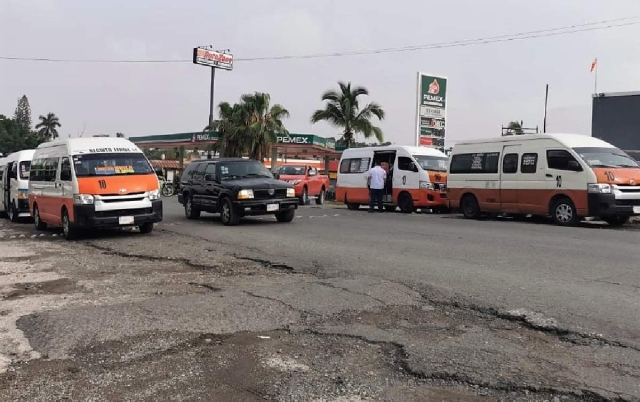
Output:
[[574, 166], [65, 175], [414, 168]]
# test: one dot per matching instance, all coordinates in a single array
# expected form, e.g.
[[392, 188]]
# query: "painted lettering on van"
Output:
[[103, 150]]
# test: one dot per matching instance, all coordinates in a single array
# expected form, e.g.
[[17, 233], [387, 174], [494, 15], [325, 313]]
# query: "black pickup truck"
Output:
[[234, 188]]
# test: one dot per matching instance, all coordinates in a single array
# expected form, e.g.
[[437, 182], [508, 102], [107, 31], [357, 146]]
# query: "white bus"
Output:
[[15, 185], [416, 179], [566, 176]]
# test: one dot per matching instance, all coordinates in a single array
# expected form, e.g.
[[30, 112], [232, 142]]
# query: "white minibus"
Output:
[[15, 185]]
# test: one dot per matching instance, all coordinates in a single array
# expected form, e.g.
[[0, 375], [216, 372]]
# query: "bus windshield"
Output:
[[433, 163], [25, 166], [605, 157], [111, 164]]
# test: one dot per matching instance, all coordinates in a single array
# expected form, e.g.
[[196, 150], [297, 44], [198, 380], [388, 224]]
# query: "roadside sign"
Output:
[[211, 58], [431, 110]]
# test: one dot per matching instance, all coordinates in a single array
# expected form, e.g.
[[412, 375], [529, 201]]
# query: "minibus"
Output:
[[14, 185], [83, 183], [566, 176], [416, 179]]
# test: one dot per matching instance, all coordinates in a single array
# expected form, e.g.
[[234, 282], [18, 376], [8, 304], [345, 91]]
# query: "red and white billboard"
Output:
[[211, 58]]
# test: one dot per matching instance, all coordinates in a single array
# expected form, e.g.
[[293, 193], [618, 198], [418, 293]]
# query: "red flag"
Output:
[[594, 64]]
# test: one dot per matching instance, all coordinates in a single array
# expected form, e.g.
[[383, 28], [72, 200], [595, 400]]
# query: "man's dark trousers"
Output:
[[375, 197]]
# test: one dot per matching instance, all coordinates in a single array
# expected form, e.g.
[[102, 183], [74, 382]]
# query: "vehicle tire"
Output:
[[564, 213], [390, 208], [189, 211], [13, 213], [304, 196], [68, 231], [353, 207], [167, 190], [405, 202], [470, 207], [146, 228], [286, 216], [321, 197], [616, 221], [39, 225], [228, 213]]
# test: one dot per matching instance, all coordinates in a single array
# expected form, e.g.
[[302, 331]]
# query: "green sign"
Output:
[[431, 110], [307, 139]]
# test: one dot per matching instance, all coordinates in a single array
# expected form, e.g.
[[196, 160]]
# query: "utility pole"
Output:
[[546, 100], [213, 82]]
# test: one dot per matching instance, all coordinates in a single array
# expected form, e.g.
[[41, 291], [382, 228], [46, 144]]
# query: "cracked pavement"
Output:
[[181, 316]]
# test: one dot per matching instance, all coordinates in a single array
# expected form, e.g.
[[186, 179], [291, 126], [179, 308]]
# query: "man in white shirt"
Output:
[[376, 179]]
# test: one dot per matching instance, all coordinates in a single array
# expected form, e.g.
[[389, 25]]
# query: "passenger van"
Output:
[[417, 177], [14, 185], [83, 183], [566, 176]]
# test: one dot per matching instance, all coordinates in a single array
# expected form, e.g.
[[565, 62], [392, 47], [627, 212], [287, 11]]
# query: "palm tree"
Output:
[[343, 110], [515, 128], [47, 127], [263, 123], [232, 141]]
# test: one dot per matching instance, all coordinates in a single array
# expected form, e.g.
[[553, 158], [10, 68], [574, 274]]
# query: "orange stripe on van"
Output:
[[117, 185], [420, 197]]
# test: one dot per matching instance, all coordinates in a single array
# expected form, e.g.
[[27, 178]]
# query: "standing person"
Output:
[[376, 180]]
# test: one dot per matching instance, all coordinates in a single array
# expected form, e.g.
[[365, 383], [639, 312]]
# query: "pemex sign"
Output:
[[431, 110]]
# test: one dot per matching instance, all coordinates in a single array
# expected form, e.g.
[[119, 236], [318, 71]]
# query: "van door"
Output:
[[405, 177], [65, 189], [565, 175], [510, 179], [532, 188]]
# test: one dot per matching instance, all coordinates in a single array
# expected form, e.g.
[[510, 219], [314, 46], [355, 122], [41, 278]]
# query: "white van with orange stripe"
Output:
[[14, 185], [416, 178], [567, 176], [83, 183]]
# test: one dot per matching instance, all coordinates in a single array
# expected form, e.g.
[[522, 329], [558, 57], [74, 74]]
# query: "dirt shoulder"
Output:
[[170, 317]]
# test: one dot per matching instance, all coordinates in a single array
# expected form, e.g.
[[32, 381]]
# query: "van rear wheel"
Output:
[[470, 207]]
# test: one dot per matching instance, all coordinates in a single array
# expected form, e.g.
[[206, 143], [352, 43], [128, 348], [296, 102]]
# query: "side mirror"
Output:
[[414, 168], [65, 175], [276, 176], [311, 173], [574, 166]]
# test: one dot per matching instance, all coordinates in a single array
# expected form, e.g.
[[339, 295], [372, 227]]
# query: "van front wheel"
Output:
[[68, 230], [470, 207], [36, 219], [564, 213]]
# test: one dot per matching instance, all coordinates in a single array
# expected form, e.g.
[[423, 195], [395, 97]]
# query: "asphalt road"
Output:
[[584, 278]]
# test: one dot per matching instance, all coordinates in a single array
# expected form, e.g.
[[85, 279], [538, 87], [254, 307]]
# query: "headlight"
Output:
[[83, 199], [154, 195], [294, 182], [600, 188], [245, 194], [23, 195], [291, 193], [427, 185]]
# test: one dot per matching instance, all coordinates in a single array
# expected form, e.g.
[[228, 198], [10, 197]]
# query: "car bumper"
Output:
[[601, 205], [85, 216], [259, 207], [430, 199]]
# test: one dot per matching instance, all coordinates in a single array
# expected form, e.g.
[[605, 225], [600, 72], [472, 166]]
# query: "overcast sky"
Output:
[[489, 84]]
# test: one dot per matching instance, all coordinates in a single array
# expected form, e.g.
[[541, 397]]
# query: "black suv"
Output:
[[235, 187]]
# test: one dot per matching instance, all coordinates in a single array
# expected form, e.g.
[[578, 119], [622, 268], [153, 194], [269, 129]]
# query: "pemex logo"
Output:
[[434, 87]]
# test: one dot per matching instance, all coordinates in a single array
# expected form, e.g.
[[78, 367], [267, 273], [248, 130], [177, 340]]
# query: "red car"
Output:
[[306, 180]]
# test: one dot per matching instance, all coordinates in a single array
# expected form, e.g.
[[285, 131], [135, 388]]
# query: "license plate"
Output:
[[636, 210], [272, 207], [126, 220]]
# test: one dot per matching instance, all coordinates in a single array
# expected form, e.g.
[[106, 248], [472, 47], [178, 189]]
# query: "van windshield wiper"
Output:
[[602, 165]]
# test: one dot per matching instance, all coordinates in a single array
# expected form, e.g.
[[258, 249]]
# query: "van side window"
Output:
[[529, 163], [510, 163], [559, 159], [37, 170], [50, 169], [404, 163], [355, 165], [475, 163], [65, 169]]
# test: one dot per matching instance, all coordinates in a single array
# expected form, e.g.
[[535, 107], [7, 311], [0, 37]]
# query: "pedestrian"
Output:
[[376, 179]]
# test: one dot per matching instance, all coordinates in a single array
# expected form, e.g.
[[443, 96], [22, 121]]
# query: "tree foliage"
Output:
[[249, 127], [47, 128], [16, 133], [342, 109], [22, 116]]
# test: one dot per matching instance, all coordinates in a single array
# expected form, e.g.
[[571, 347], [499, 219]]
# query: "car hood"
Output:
[[288, 177], [621, 176], [257, 183]]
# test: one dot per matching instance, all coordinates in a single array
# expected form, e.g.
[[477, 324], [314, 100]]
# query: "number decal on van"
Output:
[[102, 184], [610, 176]]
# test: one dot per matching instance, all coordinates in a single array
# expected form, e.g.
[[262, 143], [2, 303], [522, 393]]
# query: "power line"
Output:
[[566, 30]]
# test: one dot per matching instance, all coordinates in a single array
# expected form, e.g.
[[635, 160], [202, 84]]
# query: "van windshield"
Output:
[[111, 164], [433, 163], [605, 157], [290, 170], [25, 166]]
